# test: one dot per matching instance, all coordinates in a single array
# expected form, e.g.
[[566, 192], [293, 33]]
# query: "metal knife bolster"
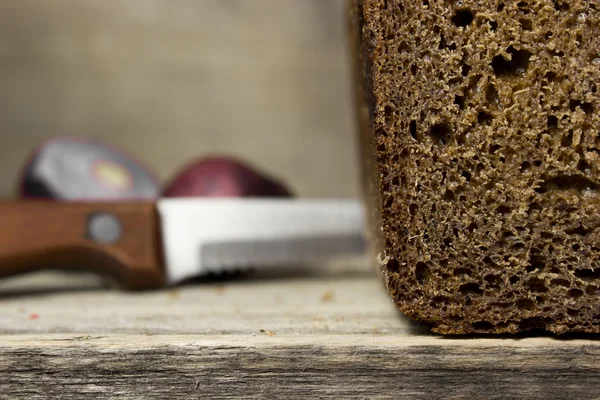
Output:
[[202, 236]]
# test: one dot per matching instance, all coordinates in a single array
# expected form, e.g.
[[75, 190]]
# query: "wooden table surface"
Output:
[[319, 332]]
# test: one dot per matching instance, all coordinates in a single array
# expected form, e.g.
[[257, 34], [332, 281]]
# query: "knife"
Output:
[[151, 244]]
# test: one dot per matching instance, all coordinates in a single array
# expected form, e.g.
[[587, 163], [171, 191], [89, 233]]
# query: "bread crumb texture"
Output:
[[486, 136]]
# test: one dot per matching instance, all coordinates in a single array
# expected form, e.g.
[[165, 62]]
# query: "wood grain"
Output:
[[324, 332], [266, 367], [47, 235]]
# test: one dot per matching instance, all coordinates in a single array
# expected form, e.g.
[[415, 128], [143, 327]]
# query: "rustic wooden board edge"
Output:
[[295, 366], [266, 339]]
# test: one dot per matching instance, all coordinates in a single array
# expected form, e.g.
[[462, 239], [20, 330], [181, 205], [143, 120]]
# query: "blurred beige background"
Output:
[[172, 80]]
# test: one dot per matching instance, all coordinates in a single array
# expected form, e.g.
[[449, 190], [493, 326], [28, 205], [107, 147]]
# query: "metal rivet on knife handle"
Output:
[[104, 228]]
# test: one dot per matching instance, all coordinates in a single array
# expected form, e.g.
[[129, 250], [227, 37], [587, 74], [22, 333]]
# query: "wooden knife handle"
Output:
[[119, 240]]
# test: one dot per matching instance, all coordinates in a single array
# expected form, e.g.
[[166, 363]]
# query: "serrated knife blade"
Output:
[[204, 236], [236, 255]]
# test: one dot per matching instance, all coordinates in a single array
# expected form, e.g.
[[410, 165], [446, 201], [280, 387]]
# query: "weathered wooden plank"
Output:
[[327, 331], [291, 366]]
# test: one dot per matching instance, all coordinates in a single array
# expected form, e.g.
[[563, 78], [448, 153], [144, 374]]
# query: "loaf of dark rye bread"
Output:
[[481, 136]]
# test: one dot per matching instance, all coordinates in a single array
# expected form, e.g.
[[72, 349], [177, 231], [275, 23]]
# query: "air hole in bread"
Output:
[[443, 43], [465, 69], [491, 95], [517, 65], [523, 7], [525, 304], [393, 265], [484, 118], [493, 25], [489, 262], [412, 127], [536, 285], [463, 17], [440, 133], [449, 195], [389, 201], [583, 166], [587, 274], [526, 24], [560, 282], [461, 272], [483, 326], [413, 208], [575, 182], [575, 293], [447, 242], [561, 6], [534, 323], [494, 148], [572, 312], [421, 272], [551, 76], [567, 140], [504, 209], [388, 113], [591, 290], [494, 281], [537, 261], [470, 288], [552, 122], [460, 102], [556, 53], [540, 299], [587, 108]]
